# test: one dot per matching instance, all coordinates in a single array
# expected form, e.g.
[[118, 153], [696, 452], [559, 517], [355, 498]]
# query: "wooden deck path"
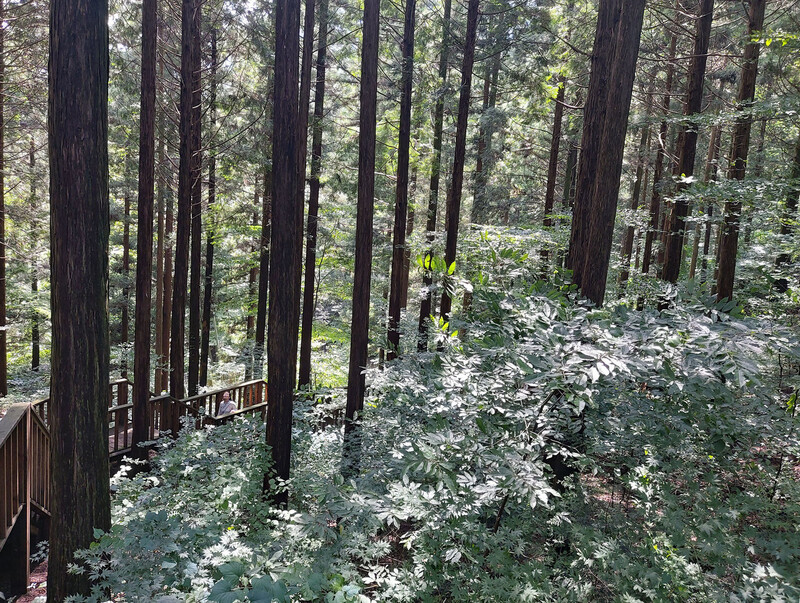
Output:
[[25, 454]]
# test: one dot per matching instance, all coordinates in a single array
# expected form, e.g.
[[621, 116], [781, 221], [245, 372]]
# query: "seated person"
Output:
[[227, 406]]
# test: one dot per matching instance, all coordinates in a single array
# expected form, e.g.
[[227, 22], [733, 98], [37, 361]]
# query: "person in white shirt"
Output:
[[227, 406]]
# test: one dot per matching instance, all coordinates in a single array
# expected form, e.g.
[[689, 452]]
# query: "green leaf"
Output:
[[232, 571], [451, 269]]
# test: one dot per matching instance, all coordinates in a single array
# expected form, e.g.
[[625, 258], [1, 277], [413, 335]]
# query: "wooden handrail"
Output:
[[13, 453]]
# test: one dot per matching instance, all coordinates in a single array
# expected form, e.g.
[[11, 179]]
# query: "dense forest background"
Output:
[[544, 319], [530, 59]]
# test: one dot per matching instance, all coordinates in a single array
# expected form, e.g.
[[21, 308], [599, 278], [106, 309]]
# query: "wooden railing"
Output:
[[25, 446], [244, 395], [13, 456]]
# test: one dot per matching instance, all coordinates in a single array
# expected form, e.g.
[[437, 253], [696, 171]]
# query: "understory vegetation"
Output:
[[679, 426]]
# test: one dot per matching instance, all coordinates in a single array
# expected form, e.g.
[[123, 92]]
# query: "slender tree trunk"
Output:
[[313, 202], [552, 167], [412, 191], [197, 206], [658, 171], [34, 271], [712, 161], [433, 198], [252, 291], [401, 191], [144, 232], [740, 144], [688, 141], [304, 373], [284, 299], [160, 374], [3, 339], [205, 326], [263, 273], [642, 159], [185, 185], [125, 327], [605, 192], [453, 213], [166, 312], [359, 332], [479, 201], [79, 231]]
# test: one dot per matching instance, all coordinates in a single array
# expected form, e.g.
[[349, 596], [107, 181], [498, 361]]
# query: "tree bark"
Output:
[[359, 332], [642, 159], [205, 325], [284, 301], [252, 291], [307, 328], [433, 197], [3, 338], [125, 327], [197, 206], [34, 271], [79, 232], [599, 229], [552, 166], [263, 273], [160, 374], [305, 97], [658, 170], [185, 182], [401, 190], [453, 213], [144, 232], [740, 144], [688, 142], [594, 111]]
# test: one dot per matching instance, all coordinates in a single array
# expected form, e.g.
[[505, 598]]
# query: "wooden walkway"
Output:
[[25, 454]]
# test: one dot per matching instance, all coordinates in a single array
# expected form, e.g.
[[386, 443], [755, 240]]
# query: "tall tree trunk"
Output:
[[596, 252], [185, 182], [302, 149], [688, 141], [658, 171], [3, 339], [125, 327], [570, 175], [740, 144], [594, 111], [205, 326], [712, 161], [552, 166], [197, 207], [34, 271], [401, 191], [307, 328], [453, 213], [479, 212], [79, 230], [252, 291], [263, 272], [166, 312], [433, 197], [160, 374], [144, 232], [284, 300], [359, 332], [642, 159]]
